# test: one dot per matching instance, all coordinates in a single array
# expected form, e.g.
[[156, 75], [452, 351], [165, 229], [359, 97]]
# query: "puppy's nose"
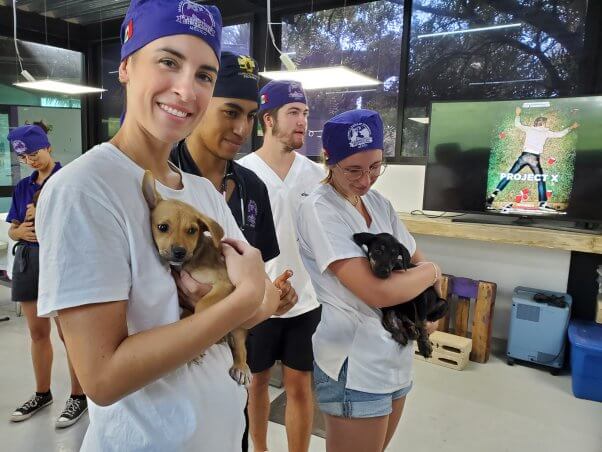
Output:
[[178, 252]]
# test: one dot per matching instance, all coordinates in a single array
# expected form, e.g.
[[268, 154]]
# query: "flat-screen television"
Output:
[[539, 158]]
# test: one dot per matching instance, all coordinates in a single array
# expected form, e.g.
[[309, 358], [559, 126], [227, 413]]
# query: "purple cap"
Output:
[[28, 139], [280, 92], [351, 132], [147, 20]]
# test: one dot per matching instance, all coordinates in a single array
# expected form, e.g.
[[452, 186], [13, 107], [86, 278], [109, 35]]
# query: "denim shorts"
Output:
[[334, 399]]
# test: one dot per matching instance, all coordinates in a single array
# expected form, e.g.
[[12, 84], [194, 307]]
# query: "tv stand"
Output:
[[531, 222], [490, 219], [488, 229]]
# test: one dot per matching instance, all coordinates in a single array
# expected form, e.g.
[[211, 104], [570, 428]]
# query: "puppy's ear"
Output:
[[216, 231], [149, 190], [363, 238]]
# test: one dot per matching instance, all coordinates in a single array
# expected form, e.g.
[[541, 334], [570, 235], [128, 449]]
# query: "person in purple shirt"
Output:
[[30, 143]]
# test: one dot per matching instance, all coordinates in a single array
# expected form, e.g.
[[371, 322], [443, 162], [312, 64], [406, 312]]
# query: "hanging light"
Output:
[[315, 78], [48, 85]]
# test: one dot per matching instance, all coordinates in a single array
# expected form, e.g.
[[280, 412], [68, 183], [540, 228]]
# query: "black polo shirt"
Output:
[[256, 223]]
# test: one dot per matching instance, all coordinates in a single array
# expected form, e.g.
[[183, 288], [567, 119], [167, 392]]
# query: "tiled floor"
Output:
[[485, 408]]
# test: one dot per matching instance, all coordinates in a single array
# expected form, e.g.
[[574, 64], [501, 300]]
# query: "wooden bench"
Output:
[[462, 295]]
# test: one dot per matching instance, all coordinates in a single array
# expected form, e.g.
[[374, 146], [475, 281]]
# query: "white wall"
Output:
[[506, 265]]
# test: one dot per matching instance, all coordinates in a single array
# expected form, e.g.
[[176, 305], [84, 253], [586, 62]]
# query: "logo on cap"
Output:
[[359, 134], [19, 146], [246, 64], [197, 17], [264, 99], [295, 91], [129, 31]]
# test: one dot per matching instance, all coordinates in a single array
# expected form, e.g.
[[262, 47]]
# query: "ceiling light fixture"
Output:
[[47, 85], [314, 78], [323, 78], [469, 30]]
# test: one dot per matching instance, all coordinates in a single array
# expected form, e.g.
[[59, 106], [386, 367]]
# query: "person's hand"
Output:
[[245, 267], [30, 213], [431, 327], [288, 295], [190, 291], [26, 231], [574, 125], [517, 111]]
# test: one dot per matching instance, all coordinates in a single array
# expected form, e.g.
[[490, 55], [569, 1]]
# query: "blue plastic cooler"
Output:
[[586, 359]]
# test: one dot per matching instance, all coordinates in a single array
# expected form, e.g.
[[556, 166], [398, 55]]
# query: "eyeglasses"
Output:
[[354, 174], [31, 157]]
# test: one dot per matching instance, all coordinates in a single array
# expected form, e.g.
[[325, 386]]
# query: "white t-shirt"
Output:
[[96, 246], [350, 329], [285, 199], [535, 137]]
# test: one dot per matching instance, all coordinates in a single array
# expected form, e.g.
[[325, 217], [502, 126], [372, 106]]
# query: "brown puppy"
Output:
[[179, 231]]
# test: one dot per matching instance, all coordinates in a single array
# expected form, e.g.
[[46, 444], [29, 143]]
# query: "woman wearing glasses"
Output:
[[361, 374], [33, 149]]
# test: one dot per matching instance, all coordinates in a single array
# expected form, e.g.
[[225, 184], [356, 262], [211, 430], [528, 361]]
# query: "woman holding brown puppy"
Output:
[[30, 143], [100, 271], [361, 374]]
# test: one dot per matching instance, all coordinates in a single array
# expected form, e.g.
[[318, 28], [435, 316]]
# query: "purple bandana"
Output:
[[28, 139], [147, 20], [352, 132]]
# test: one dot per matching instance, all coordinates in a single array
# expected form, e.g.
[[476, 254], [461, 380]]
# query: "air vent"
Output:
[[545, 358], [527, 312]]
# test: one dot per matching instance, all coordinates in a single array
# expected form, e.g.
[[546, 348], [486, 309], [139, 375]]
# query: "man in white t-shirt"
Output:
[[535, 139], [289, 177]]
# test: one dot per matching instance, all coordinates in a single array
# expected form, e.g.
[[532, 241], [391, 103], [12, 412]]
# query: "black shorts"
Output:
[[287, 340], [26, 269]]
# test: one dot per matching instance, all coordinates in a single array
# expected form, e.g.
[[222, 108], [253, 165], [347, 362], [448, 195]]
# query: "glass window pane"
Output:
[[489, 50], [237, 38], [347, 36]]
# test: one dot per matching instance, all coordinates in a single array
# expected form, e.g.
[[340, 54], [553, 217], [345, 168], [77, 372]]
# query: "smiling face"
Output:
[[169, 83], [226, 126]]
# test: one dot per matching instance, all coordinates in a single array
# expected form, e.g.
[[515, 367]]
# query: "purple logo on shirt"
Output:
[[19, 146], [252, 212], [197, 17]]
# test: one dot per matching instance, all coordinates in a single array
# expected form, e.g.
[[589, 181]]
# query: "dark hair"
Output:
[[42, 125], [540, 120], [273, 112]]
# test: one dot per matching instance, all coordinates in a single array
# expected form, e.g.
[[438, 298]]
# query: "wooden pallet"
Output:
[[464, 294], [449, 350]]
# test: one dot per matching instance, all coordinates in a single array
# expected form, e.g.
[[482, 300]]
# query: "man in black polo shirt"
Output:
[[210, 149], [209, 152]]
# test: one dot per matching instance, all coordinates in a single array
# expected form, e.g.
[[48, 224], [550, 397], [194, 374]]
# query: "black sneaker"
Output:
[[31, 407], [74, 409], [490, 199]]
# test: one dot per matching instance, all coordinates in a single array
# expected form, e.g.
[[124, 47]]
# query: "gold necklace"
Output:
[[353, 203]]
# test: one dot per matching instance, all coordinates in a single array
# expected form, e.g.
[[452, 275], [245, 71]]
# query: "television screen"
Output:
[[536, 158]]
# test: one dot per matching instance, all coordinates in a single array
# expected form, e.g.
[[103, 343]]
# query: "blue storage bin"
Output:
[[586, 359]]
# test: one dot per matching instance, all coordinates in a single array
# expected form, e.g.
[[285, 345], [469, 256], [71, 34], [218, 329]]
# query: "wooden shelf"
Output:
[[516, 235]]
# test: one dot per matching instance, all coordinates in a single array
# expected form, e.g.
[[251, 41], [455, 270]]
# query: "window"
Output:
[[348, 36], [20, 106], [237, 38], [479, 49]]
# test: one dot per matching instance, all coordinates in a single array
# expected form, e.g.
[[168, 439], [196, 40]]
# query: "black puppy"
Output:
[[405, 321]]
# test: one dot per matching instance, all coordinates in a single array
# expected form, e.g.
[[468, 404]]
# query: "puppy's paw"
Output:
[[241, 375], [425, 347]]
